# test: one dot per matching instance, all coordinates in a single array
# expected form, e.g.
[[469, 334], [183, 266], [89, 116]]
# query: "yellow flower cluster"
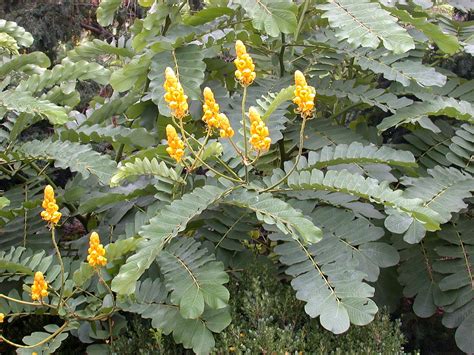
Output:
[[2, 317], [96, 251], [259, 136], [210, 109], [39, 289], [50, 213], [226, 130], [304, 96], [175, 144], [245, 72], [212, 116], [174, 95]]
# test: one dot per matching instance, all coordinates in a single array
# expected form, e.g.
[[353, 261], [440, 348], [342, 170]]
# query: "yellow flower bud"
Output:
[[39, 289], [96, 251], [212, 116], [174, 95], [210, 109], [50, 213], [245, 72], [175, 144], [226, 130], [304, 96], [259, 135]]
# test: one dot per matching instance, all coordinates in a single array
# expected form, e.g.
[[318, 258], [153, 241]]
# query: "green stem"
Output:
[[281, 56], [25, 218], [45, 340], [281, 146], [106, 286], [183, 133], [166, 26], [53, 237], [201, 149], [300, 152], [40, 172], [244, 123], [300, 22], [118, 155], [25, 302], [12, 174], [227, 167], [236, 148]]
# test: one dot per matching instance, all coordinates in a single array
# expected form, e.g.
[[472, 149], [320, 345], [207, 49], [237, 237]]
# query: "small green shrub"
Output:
[[139, 338], [268, 318]]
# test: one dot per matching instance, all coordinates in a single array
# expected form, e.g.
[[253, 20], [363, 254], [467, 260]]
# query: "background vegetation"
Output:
[[362, 211]]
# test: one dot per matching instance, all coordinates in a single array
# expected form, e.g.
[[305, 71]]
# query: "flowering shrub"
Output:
[[311, 134]]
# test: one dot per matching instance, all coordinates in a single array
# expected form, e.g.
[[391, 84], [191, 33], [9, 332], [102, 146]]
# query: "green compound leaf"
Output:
[[141, 167], [402, 71], [443, 191], [114, 134], [66, 71], [207, 15], [194, 277], [167, 224], [23, 102], [447, 43], [274, 211], [96, 48], [356, 153], [459, 109], [333, 291], [37, 58], [461, 149], [131, 73], [272, 17], [77, 157], [151, 300], [365, 23], [357, 240], [367, 188]]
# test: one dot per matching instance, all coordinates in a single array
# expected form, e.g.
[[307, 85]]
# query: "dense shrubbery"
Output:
[[376, 175], [267, 318]]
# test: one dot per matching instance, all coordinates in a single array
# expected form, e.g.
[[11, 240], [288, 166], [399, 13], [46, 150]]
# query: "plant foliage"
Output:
[[377, 175]]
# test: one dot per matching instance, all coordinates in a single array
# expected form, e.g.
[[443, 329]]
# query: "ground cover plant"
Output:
[[328, 137]]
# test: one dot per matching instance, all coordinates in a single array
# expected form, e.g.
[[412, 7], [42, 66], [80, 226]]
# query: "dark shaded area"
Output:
[[50, 23]]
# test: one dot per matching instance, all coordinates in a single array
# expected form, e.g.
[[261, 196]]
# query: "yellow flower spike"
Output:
[[304, 96], [210, 109], [39, 289], [2, 317], [226, 130], [259, 135], [174, 95], [212, 116], [245, 72], [175, 144], [50, 213], [96, 251]]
